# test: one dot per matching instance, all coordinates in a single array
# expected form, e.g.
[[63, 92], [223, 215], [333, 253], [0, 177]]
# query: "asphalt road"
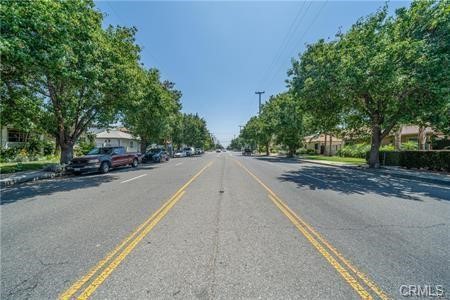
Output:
[[225, 226]]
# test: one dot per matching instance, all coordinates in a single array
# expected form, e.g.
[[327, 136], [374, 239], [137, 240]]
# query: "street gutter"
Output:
[[27, 177]]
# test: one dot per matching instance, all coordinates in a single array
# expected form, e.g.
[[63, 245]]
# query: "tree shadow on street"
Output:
[[353, 181], [67, 183], [278, 159]]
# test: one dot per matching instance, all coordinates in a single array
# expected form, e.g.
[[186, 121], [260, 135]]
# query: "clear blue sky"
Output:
[[220, 53]]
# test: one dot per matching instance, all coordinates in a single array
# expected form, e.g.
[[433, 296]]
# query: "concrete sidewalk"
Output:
[[26, 176], [421, 175]]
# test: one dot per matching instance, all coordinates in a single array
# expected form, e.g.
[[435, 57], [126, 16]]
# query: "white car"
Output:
[[180, 154], [189, 151]]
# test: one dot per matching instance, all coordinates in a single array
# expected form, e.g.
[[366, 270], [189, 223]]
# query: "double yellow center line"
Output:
[[349, 272], [106, 266]]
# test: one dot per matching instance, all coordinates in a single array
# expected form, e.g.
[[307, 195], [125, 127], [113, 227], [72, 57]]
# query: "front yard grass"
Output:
[[24, 166], [349, 160]]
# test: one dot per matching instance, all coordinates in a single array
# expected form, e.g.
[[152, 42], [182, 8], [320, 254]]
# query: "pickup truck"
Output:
[[102, 159]]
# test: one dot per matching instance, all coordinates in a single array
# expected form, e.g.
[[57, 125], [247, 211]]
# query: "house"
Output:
[[320, 143], [117, 137], [411, 133], [11, 137]]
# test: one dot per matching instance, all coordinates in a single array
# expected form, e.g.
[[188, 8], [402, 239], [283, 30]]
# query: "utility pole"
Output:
[[259, 93]]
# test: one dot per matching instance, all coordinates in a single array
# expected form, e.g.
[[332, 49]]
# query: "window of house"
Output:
[[131, 144], [16, 136], [316, 146]]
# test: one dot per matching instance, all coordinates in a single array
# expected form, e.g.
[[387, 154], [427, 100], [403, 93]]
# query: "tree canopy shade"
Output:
[[58, 52], [153, 110], [383, 71], [194, 131], [287, 118]]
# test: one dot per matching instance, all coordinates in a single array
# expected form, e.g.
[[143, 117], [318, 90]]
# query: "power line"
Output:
[[282, 45], [279, 57], [301, 39]]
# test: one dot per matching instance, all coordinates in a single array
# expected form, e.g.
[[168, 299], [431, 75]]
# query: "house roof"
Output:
[[115, 134], [321, 138], [413, 129]]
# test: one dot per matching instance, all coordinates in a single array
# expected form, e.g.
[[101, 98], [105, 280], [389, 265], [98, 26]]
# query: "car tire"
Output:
[[77, 173], [104, 167], [135, 163]]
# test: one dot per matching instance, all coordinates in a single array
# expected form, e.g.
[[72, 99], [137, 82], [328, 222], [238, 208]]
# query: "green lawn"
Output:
[[25, 166], [350, 160]]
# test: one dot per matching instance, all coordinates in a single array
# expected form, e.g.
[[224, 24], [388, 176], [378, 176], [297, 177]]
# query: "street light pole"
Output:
[[259, 93]]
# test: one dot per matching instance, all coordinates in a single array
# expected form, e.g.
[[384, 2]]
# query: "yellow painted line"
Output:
[[358, 273], [113, 265], [347, 277], [79, 283]]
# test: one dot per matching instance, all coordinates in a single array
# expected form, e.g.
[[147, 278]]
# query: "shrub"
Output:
[[387, 148], [410, 145], [431, 160], [303, 151], [83, 147], [22, 156], [48, 147], [388, 158], [440, 144], [356, 150], [8, 154]]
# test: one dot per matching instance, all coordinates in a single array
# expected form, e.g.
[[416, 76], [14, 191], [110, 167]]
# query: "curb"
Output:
[[383, 171], [7, 182]]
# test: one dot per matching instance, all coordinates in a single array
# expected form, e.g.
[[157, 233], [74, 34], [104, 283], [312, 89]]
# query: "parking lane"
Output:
[[54, 230]]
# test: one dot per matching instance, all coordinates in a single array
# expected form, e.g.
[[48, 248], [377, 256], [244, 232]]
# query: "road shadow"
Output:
[[353, 181], [62, 184], [277, 159]]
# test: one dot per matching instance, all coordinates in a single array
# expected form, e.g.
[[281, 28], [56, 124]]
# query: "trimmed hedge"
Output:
[[432, 160]]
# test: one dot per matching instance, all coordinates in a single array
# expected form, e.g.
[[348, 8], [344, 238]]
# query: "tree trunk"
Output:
[[421, 138], [57, 147], [267, 149], [66, 152], [143, 146], [291, 151], [374, 159], [331, 144], [325, 144], [398, 139]]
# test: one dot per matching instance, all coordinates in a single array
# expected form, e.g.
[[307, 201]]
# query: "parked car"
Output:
[[156, 155], [102, 159], [189, 151], [218, 150], [247, 152], [180, 153], [199, 151]]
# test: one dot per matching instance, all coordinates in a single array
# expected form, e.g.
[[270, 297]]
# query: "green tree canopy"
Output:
[[59, 52]]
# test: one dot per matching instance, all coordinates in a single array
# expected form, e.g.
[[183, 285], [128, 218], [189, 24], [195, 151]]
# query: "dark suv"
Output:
[[247, 152], [155, 155]]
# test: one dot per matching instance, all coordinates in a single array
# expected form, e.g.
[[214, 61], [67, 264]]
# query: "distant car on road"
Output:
[[218, 150], [247, 152], [180, 153], [102, 159], [156, 155]]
